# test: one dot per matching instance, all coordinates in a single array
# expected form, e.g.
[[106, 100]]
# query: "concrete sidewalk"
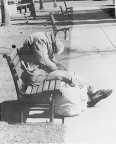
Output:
[[95, 61], [93, 57]]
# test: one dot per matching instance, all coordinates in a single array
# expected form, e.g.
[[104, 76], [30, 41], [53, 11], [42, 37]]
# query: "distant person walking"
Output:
[[32, 9]]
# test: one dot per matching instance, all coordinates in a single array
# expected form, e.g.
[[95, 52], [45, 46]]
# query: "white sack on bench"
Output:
[[72, 102]]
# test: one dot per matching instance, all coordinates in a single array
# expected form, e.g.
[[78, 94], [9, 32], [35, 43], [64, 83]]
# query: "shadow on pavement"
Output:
[[75, 53], [103, 15], [110, 11]]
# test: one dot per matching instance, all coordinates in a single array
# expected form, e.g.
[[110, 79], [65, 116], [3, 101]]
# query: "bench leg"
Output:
[[21, 116], [55, 33], [63, 120], [23, 112], [65, 34], [25, 8], [52, 108], [20, 9]]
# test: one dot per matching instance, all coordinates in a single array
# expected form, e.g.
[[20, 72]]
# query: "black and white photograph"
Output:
[[57, 72]]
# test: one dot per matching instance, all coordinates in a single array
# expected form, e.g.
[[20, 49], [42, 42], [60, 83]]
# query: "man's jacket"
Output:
[[38, 50]]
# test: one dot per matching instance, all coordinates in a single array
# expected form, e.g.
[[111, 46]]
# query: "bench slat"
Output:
[[58, 84], [52, 85], [16, 60], [28, 90], [46, 85], [20, 73], [34, 90], [40, 88], [13, 54], [19, 69], [22, 86]]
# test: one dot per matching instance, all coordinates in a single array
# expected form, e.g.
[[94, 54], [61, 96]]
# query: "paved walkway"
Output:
[[93, 56]]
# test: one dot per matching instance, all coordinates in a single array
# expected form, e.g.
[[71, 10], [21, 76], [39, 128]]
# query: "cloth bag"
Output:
[[72, 102]]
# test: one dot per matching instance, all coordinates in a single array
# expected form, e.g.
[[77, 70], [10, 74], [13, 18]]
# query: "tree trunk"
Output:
[[115, 8], [41, 4], [32, 9], [5, 13], [54, 4]]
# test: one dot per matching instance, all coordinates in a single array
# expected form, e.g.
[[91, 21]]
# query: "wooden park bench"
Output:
[[56, 29], [28, 94], [68, 9], [24, 6], [66, 15]]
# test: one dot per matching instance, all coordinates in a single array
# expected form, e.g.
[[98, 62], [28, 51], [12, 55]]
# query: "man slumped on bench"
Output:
[[38, 53]]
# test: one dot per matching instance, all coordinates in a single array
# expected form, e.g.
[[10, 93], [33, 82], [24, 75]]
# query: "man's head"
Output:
[[58, 47]]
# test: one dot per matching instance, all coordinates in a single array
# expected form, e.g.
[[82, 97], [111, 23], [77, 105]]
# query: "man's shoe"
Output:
[[96, 97]]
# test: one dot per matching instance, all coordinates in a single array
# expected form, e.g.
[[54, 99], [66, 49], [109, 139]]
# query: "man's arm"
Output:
[[54, 60], [52, 64]]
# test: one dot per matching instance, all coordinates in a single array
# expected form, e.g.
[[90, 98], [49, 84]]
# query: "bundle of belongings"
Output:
[[72, 102]]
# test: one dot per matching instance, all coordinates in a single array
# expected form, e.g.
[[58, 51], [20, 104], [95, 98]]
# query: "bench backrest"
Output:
[[15, 66], [65, 5], [53, 22], [61, 10]]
